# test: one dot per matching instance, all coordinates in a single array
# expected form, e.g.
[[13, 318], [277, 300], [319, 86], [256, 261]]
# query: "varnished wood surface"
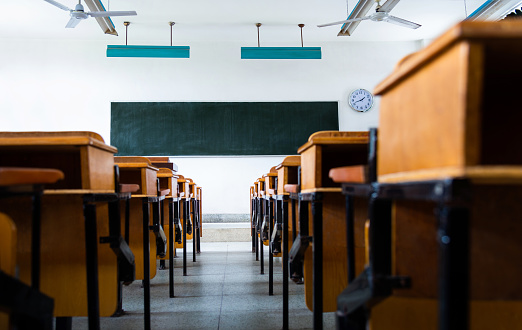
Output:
[[439, 107], [292, 188], [353, 174], [287, 172], [475, 31], [26, 139], [86, 161], [19, 176], [334, 137], [132, 188], [327, 150], [495, 229], [136, 236], [294, 160], [335, 265], [477, 174]]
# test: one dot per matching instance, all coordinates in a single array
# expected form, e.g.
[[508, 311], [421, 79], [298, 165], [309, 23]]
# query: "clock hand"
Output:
[[360, 100]]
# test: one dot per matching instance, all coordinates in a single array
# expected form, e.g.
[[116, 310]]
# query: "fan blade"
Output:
[[361, 9], [73, 22], [402, 22], [59, 5], [111, 13], [388, 6], [345, 21]]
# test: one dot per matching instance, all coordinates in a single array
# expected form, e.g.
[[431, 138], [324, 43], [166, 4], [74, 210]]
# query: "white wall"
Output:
[[69, 85]]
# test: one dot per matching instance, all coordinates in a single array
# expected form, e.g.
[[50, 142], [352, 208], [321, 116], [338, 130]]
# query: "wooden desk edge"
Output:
[[324, 190], [477, 174]]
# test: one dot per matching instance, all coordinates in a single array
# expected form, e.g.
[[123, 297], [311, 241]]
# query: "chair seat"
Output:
[[19, 176], [292, 188], [353, 174], [129, 187]]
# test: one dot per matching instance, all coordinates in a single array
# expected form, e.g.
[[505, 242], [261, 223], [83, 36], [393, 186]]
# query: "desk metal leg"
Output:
[[317, 214], [198, 226], [258, 225], [162, 222], [185, 237], [453, 268], [261, 247], [127, 220], [270, 251], [172, 209], [91, 247], [194, 233], [284, 210], [146, 265], [35, 241], [253, 225], [350, 238]]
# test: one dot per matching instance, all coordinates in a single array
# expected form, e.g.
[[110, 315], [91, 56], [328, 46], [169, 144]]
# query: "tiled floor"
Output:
[[223, 290]]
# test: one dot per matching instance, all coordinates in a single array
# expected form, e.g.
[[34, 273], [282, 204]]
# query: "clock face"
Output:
[[361, 100]]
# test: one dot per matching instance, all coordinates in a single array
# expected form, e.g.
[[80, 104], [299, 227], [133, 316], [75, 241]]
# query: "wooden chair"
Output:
[[325, 270]]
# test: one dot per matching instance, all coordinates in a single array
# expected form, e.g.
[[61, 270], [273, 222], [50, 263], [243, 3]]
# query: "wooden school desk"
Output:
[[286, 174], [325, 268], [139, 170], [457, 158], [69, 233]]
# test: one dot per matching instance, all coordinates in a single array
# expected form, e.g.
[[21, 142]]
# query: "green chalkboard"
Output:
[[217, 128]]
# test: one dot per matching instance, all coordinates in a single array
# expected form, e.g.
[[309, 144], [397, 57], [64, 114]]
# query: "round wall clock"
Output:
[[360, 100]]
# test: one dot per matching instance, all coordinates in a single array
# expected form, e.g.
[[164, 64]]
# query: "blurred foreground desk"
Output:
[[75, 268]]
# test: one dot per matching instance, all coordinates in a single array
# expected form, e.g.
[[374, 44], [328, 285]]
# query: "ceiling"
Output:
[[211, 21]]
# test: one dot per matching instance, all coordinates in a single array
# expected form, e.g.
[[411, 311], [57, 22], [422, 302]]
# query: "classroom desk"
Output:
[[325, 267], [71, 205], [455, 157], [286, 174], [138, 170]]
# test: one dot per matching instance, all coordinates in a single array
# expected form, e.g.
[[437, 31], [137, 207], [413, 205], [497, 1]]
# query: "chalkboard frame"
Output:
[[218, 128]]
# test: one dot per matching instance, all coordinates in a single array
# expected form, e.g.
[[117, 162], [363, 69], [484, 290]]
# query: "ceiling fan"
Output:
[[78, 14], [382, 14]]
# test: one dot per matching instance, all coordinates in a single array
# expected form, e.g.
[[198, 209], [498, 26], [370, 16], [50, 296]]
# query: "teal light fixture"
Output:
[[273, 53], [148, 51]]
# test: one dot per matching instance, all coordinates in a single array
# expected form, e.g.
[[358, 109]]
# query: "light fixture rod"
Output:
[[258, 43], [171, 25], [301, 26], [126, 30]]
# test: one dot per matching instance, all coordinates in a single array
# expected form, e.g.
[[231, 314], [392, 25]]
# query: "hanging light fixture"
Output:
[[148, 51], [280, 52]]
